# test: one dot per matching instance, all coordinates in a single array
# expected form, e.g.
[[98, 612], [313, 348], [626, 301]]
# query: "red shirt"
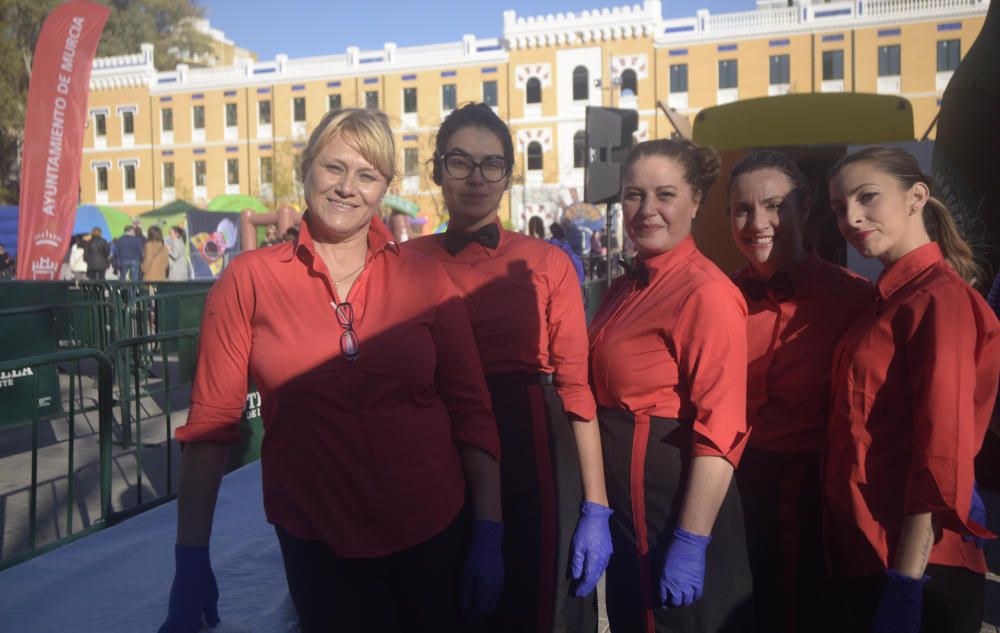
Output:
[[790, 343], [676, 348], [361, 455], [527, 310], [914, 382]]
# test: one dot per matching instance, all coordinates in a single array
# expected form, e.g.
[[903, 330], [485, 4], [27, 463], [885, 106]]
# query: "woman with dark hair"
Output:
[[528, 319], [914, 382], [154, 256], [798, 306], [179, 268], [536, 228], [375, 412], [668, 362]]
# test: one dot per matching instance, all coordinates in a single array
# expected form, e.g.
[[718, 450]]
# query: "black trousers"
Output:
[[541, 491], [953, 600], [416, 589], [646, 465], [782, 508]]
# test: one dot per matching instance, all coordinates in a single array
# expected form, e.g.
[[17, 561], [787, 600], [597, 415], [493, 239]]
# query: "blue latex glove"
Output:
[[899, 608], [683, 577], [977, 513], [194, 592], [482, 576], [591, 548]]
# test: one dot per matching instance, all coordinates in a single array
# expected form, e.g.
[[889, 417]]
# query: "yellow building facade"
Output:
[[197, 133]]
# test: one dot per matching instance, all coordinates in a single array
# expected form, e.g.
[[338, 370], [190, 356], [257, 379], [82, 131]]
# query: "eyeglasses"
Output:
[[349, 343], [460, 167]]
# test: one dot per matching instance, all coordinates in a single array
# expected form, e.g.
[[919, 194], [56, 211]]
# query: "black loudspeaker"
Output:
[[609, 138]]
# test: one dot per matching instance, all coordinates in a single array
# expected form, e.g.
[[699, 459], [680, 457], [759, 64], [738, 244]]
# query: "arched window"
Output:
[[580, 149], [581, 84], [534, 90], [630, 83], [534, 156]]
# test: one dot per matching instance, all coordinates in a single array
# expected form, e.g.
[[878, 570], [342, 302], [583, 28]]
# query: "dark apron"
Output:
[[541, 494], [646, 464]]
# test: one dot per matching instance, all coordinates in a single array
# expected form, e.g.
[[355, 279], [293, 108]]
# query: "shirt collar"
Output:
[[907, 267], [379, 239], [662, 263]]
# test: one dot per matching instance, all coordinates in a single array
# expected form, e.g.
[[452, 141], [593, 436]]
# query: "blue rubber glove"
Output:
[[899, 608], [977, 513], [482, 576], [194, 592], [683, 577], [591, 548]]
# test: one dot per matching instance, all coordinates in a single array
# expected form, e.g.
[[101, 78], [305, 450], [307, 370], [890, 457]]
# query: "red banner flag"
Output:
[[53, 136]]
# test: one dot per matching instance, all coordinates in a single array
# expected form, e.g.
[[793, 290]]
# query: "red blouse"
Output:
[[790, 343], [676, 348], [914, 382], [527, 310], [361, 455]]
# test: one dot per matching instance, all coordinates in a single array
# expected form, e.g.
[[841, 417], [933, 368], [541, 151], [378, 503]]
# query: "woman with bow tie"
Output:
[[668, 364], [798, 307], [528, 320]]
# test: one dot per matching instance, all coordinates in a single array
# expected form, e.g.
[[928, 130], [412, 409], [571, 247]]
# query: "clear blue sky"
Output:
[[301, 28]]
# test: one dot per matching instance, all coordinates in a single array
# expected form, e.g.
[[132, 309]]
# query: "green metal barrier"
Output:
[[104, 385]]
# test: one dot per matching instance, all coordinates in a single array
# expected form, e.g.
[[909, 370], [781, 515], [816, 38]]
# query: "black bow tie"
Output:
[[635, 271], [455, 241], [779, 285]]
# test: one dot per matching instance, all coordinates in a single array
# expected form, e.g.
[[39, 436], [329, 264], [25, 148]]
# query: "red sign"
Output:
[[53, 136]]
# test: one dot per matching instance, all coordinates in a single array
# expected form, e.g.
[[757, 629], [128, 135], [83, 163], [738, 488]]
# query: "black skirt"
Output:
[[646, 464], [541, 494]]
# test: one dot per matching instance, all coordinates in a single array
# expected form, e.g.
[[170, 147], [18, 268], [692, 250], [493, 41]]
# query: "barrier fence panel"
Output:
[[53, 466]]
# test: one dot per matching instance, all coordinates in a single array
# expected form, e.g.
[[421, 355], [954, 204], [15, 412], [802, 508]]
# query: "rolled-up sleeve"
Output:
[[941, 361], [568, 342], [711, 343], [459, 374], [220, 382]]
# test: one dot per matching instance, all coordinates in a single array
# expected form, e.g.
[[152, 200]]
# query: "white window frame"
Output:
[[265, 130], [167, 136], [200, 191], [299, 127], [101, 197], [231, 188], [128, 195], [409, 118], [231, 132], [198, 134], [100, 142], [169, 193], [128, 140]]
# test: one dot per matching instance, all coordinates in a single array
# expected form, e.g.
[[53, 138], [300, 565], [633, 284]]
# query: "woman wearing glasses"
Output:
[[668, 362], [527, 316], [375, 411]]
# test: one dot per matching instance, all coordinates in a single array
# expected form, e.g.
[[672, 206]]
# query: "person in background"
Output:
[[914, 381], [179, 266], [290, 235], [97, 254], [798, 306], [127, 252], [668, 360], [399, 224], [155, 256], [77, 261], [528, 320], [559, 239], [270, 236], [536, 228], [7, 264], [376, 415]]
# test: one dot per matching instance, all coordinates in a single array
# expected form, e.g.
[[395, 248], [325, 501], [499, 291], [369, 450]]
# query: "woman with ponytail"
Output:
[[914, 380]]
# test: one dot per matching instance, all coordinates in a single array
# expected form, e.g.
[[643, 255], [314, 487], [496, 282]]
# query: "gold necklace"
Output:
[[337, 282]]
